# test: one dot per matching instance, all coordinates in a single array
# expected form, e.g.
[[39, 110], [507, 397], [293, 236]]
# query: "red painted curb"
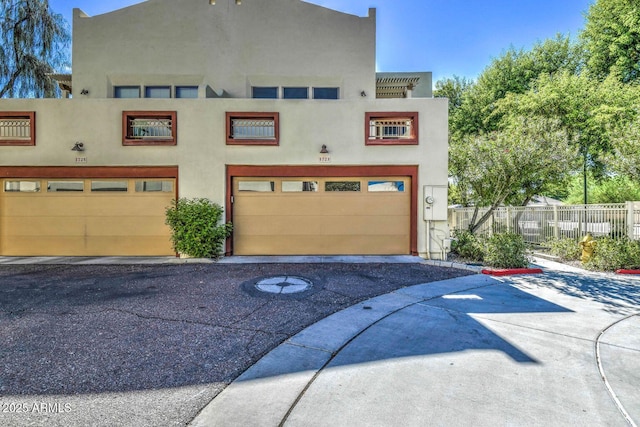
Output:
[[624, 271], [510, 271]]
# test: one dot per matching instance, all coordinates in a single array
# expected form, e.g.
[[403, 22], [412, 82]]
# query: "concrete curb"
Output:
[[511, 271], [626, 271]]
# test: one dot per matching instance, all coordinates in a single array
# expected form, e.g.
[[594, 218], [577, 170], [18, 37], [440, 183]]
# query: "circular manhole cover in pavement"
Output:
[[283, 285]]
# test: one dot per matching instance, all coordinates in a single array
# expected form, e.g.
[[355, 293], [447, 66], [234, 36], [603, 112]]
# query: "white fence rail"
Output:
[[540, 224]]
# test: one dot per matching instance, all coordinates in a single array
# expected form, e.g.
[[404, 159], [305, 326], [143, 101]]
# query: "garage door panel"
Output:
[[135, 205], [321, 204], [24, 206], [85, 223], [278, 205], [321, 245], [312, 225], [136, 226], [43, 246], [128, 246], [323, 222], [43, 226]]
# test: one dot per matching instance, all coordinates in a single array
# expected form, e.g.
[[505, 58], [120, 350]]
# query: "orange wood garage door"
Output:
[[322, 215], [85, 217]]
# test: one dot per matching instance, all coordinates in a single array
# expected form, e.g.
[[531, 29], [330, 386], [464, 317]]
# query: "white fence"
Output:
[[540, 224]]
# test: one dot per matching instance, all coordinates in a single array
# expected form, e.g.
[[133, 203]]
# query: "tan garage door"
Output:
[[321, 216], [85, 217]]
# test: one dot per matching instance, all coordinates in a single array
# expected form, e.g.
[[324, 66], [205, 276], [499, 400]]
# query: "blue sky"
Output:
[[447, 37]]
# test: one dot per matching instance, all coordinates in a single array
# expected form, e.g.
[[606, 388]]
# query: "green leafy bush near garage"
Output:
[[612, 254], [467, 245], [506, 250], [196, 227], [566, 249]]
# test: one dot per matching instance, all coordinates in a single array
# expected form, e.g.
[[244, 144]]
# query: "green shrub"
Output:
[[467, 245], [195, 227], [506, 250], [612, 254], [566, 249]]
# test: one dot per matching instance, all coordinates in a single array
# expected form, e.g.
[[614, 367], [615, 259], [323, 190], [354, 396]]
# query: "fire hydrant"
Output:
[[588, 245]]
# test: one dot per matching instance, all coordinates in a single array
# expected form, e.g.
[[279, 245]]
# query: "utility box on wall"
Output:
[[435, 203]]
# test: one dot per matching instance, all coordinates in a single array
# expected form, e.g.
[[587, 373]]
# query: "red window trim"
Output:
[[31, 116], [127, 116], [413, 140], [250, 115]]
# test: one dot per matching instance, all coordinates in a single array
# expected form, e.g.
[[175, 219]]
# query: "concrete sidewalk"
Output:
[[557, 349]]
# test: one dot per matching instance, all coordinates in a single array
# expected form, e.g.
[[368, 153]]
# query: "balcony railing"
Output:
[[398, 128], [15, 129], [150, 129], [253, 128]]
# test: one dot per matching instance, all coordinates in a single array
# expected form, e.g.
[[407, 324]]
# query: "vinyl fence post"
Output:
[[630, 220], [556, 230]]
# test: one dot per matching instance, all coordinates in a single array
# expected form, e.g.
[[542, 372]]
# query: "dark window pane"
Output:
[[265, 92], [157, 92], [296, 93], [325, 93], [186, 91], [126, 92]]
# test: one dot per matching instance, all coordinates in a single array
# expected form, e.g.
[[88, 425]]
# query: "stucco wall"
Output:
[[226, 46], [201, 152]]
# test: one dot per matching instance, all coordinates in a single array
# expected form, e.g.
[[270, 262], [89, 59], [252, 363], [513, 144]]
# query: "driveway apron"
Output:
[[555, 349]]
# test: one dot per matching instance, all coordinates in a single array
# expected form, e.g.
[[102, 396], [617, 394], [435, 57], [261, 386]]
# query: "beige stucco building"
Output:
[[287, 126]]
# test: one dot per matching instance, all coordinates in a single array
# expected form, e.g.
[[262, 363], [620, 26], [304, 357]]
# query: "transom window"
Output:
[[157, 92], [18, 128], [109, 186], [149, 128], [253, 128], [186, 91], [22, 186], [296, 93], [391, 128], [325, 93], [261, 92], [126, 92], [154, 186]]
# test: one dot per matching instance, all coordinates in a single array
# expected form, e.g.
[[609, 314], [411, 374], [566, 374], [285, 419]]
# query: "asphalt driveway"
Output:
[[136, 345]]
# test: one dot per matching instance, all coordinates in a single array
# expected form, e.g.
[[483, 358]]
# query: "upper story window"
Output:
[[325, 93], [296, 93], [186, 91], [149, 128], [253, 128], [157, 92], [18, 128], [391, 128], [126, 92], [262, 92]]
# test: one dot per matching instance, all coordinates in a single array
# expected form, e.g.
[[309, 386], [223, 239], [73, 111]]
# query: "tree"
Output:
[[510, 165], [511, 73], [610, 189], [454, 89], [588, 110], [34, 43], [625, 155], [612, 39]]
